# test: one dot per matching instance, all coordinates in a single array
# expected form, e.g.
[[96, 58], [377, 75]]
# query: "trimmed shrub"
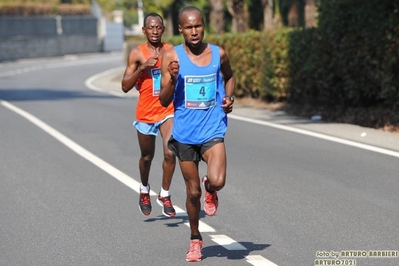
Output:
[[349, 65], [259, 62], [44, 9], [73, 10], [27, 9]]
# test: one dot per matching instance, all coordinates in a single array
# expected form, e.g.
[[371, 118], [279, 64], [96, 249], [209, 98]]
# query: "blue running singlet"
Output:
[[198, 96]]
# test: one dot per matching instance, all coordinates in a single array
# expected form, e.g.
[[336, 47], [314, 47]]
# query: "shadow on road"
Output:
[[219, 251], [212, 250]]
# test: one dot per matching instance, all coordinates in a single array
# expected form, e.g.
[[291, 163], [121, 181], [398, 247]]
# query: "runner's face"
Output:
[[192, 27], [153, 29]]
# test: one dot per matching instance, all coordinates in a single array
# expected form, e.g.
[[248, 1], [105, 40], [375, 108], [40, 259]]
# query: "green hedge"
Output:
[[259, 62], [44, 9], [348, 67]]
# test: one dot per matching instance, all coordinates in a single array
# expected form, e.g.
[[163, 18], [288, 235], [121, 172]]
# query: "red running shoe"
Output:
[[211, 201], [194, 251]]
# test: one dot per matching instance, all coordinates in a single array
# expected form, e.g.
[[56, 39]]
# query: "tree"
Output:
[[310, 13], [293, 16], [169, 9], [268, 22], [165, 9], [239, 13], [216, 16], [293, 12], [272, 17]]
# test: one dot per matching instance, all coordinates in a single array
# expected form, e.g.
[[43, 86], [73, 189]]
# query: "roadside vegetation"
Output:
[[337, 59]]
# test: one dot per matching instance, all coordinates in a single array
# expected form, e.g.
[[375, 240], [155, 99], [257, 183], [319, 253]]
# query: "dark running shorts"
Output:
[[191, 152]]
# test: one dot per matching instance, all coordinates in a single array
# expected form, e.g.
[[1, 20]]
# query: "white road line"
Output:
[[223, 240], [69, 61], [100, 163], [90, 85], [203, 227], [227, 242], [231, 244], [258, 260], [20, 71], [119, 175], [318, 135], [260, 122]]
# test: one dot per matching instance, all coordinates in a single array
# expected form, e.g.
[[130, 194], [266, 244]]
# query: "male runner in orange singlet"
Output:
[[143, 72]]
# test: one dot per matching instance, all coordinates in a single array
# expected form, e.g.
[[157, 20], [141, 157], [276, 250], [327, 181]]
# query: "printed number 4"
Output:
[[202, 91]]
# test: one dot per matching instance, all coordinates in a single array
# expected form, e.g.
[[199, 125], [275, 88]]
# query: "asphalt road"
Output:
[[299, 192]]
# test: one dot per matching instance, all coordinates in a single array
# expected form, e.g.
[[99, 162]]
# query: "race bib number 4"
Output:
[[200, 91], [156, 81]]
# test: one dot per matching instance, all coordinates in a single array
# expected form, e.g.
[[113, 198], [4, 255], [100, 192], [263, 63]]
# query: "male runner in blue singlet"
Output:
[[198, 78]]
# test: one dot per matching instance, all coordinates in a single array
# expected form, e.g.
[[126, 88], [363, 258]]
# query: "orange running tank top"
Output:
[[149, 109]]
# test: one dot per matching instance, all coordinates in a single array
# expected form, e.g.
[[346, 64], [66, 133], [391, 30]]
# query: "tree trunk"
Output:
[[267, 14], [169, 22], [277, 17], [238, 12], [293, 16], [216, 16], [310, 13]]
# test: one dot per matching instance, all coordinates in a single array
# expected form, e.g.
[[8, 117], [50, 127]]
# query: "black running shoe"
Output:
[[145, 203], [167, 207]]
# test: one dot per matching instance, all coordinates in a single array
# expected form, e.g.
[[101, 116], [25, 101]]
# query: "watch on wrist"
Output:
[[231, 98]]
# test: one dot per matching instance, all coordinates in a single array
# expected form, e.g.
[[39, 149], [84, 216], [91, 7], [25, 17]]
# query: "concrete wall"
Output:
[[31, 37]]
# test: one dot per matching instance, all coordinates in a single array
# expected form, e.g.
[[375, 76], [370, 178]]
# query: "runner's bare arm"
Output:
[[169, 73], [135, 67], [132, 71], [229, 81]]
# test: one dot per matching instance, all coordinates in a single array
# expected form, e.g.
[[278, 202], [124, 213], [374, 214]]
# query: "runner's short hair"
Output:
[[152, 15]]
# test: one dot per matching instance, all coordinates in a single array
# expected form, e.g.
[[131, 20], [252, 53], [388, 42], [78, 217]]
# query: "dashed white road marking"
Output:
[[222, 240], [258, 260], [69, 61], [20, 71], [203, 227], [231, 244], [227, 242]]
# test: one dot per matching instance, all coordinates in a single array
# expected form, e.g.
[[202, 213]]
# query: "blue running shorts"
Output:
[[150, 128]]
